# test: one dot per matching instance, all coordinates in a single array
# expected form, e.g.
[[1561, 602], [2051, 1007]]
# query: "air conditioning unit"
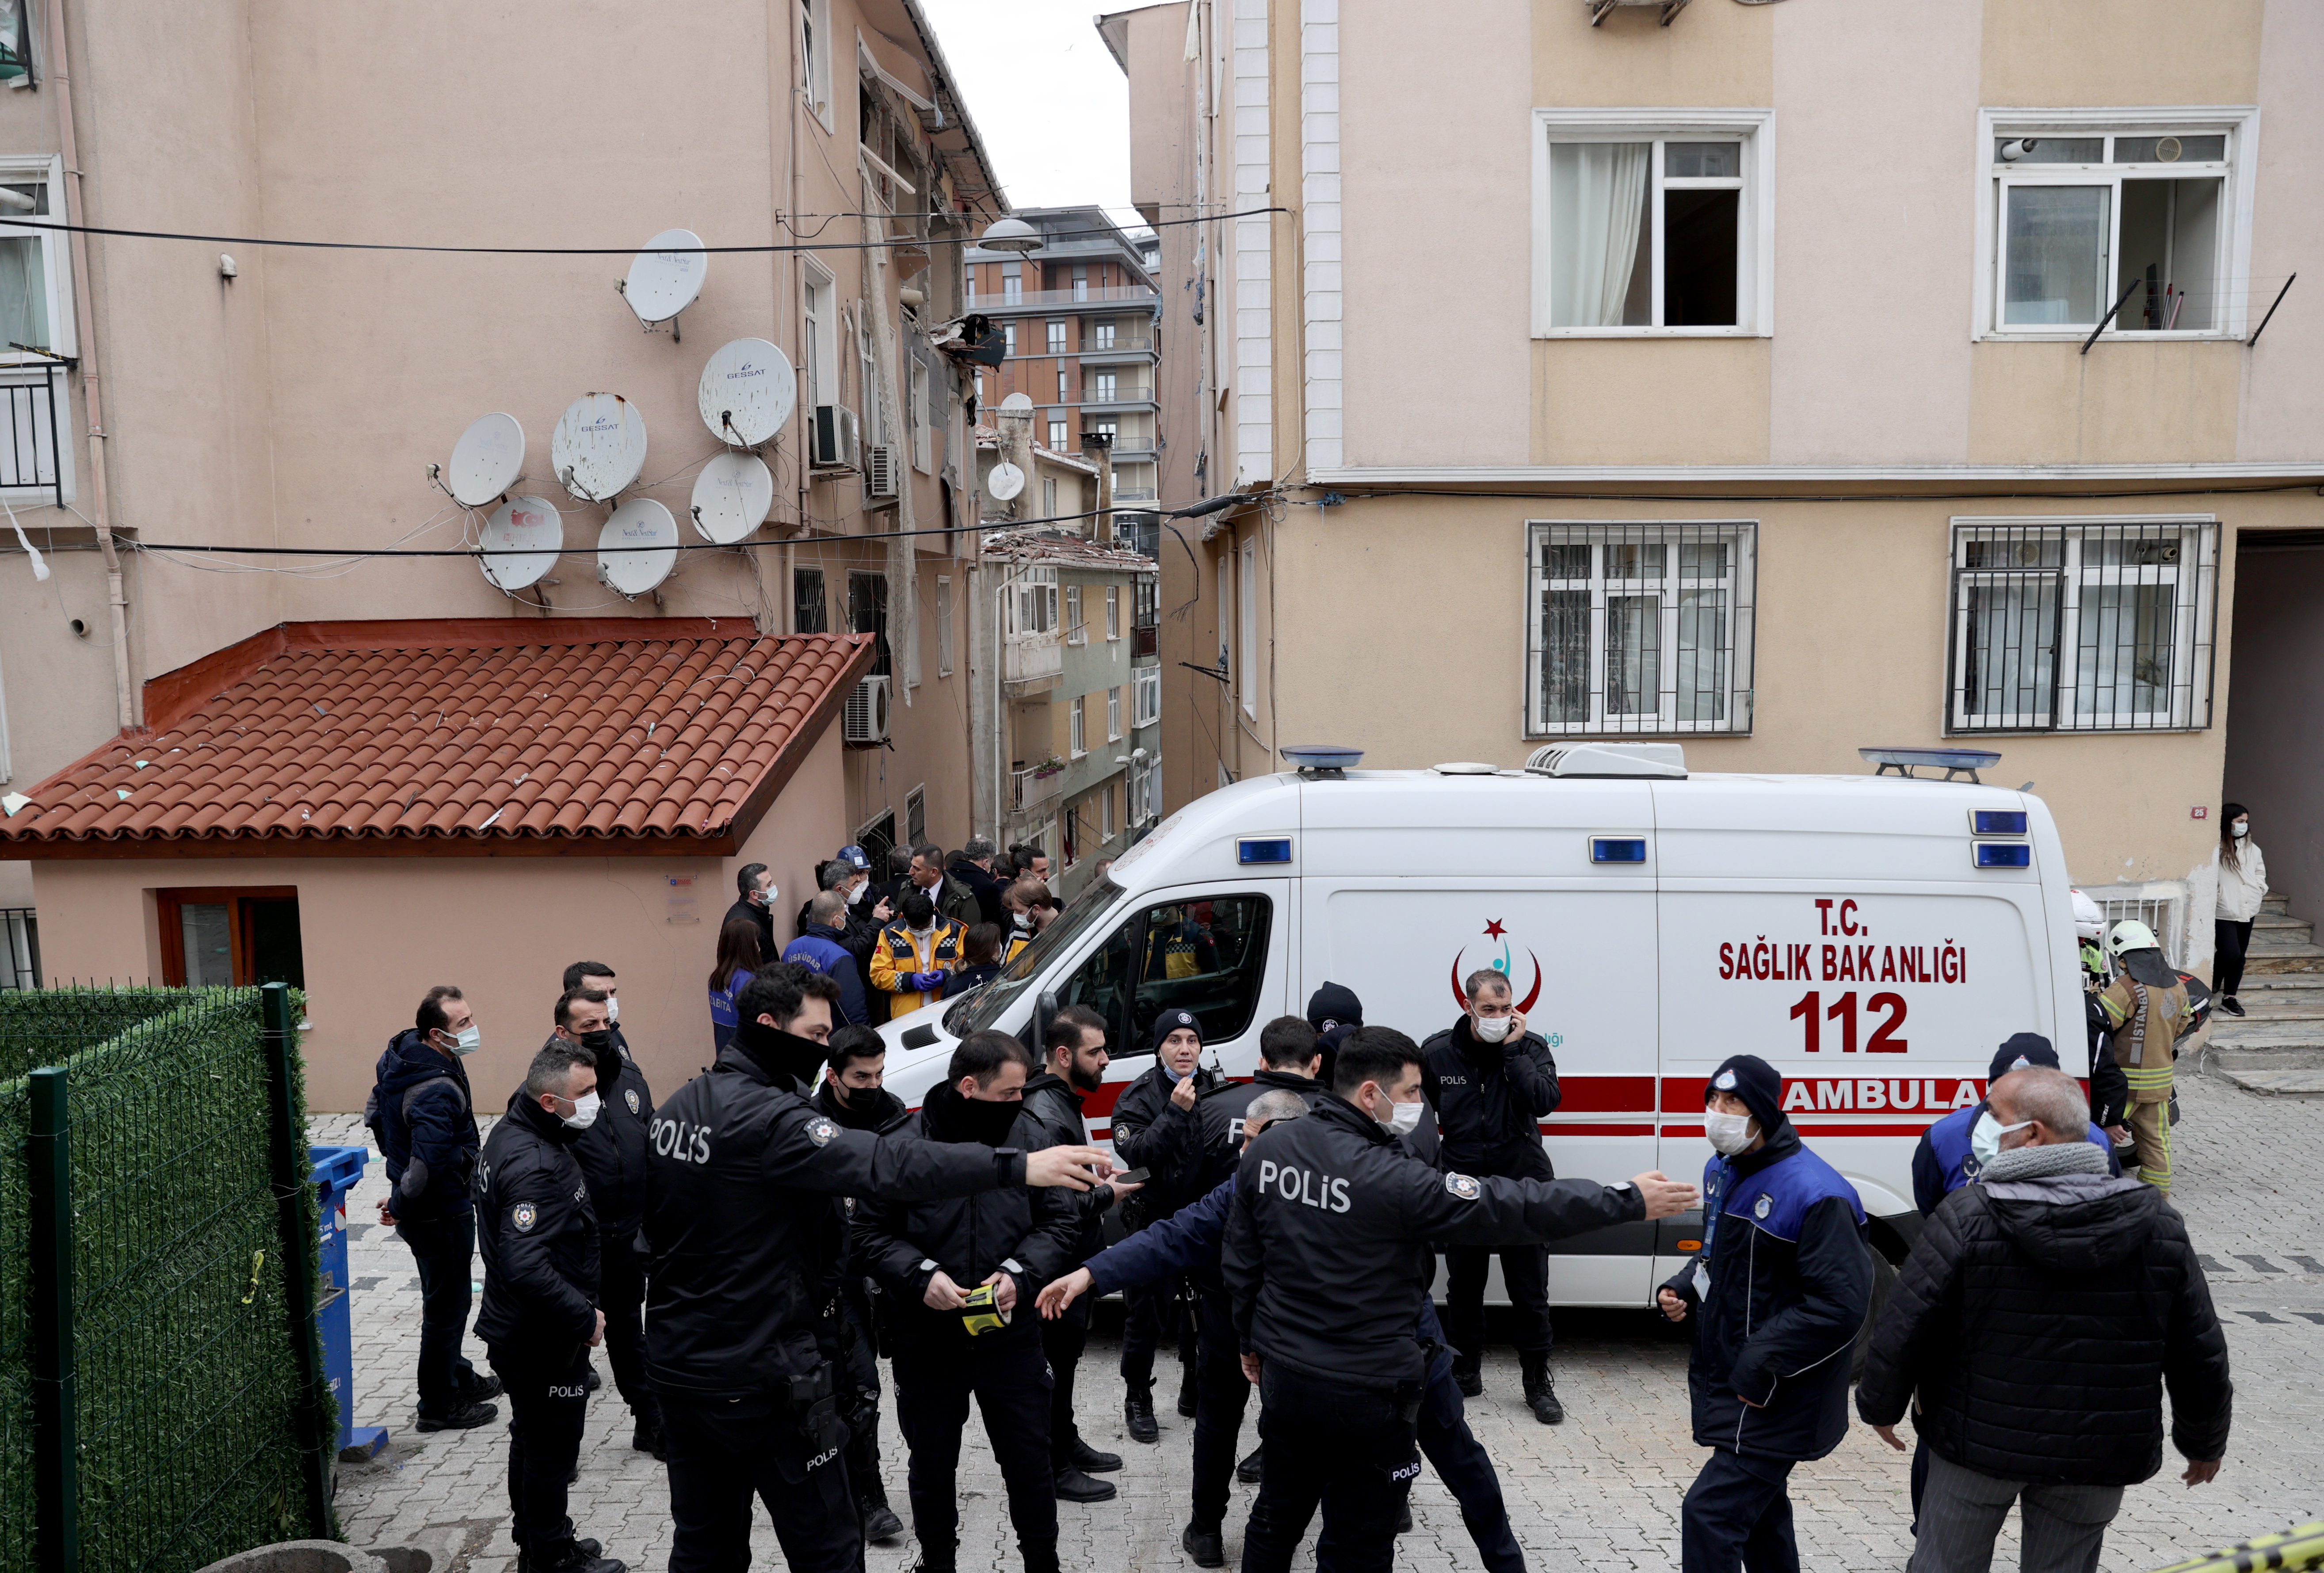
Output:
[[881, 470], [865, 718], [838, 442]]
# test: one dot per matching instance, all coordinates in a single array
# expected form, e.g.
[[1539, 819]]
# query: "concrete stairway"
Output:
[[2278, 1046]]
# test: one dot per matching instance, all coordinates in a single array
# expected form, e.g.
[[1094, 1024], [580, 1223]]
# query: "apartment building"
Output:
[[254, 396], [1778, 380]]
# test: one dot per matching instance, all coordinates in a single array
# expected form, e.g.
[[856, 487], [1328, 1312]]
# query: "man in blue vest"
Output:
[[1777, 1295], [823, 948]]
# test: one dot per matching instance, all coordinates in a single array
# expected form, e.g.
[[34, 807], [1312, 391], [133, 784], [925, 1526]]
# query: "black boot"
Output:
[[1072, 1485], [879, 1520], [1468, 1377], [1248, 1470], [1137, 1411], [1089, 1460], [1539, 1395], [1404, 1517], [1204, 1544], [1186, 1394], [592, 1381], [1040, 1556], [647, 1438], [936, 1557]]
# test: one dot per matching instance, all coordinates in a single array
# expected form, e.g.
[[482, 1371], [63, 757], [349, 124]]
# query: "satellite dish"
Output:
[[487, 459], [599, 445], [665, 277], [732, 497], [748, 393], [638, 547], [1005, 482], [527, 524], [1017, 404]]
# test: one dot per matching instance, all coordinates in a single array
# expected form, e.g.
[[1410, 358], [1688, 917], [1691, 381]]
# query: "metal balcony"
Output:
[[1032, 661], [1027, 789]]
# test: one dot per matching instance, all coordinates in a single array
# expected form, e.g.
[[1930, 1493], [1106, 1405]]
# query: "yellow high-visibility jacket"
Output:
[[896, 955]]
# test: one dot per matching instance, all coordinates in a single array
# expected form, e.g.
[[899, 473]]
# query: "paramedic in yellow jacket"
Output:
[[2147, 1007], [916, 953]]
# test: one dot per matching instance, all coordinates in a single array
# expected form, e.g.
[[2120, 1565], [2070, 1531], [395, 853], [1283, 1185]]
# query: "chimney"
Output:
[[1099, 445]]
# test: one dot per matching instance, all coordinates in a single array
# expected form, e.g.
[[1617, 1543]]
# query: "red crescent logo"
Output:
[[1524, 1005]]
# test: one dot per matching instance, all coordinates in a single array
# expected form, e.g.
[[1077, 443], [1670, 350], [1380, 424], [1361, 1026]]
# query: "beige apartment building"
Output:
[[1776, 379], [184, 395]]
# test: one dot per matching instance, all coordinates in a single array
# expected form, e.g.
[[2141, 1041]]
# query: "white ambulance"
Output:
[[1873, 938]]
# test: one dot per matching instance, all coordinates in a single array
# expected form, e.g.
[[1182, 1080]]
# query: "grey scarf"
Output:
[[2043, 1162]]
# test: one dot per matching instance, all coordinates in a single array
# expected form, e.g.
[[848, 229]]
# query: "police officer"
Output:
[[1326, 1262], [1492, 1083], [2148, 1007], [1073, 1067], [1777, 1295], [612, 1153], [927, 1257], [1290, 1057], [852, 1095], [540, 1315], [748, 1245], [1334, 1011], [1155, 1128]]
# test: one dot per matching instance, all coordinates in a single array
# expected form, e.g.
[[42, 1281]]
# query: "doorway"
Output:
[[2276, 708], [230, 937]]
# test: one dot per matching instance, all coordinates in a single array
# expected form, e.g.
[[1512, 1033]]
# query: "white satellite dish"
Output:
[[638, 547], [1017, 404], [732, 497], [487, 459], [527, 524], [1005, 482], [599, 445], [665, 277], [748, 393]]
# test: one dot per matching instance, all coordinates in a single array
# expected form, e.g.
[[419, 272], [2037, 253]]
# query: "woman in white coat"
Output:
[[2243, 885]]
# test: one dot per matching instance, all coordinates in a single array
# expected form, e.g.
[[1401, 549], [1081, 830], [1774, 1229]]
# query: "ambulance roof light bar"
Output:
[[1954, 762]]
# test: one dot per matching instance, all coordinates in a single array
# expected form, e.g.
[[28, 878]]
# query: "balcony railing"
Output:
[[1031, 789], [1145, 641], [1136, 344], [1135, 494], [1095, 295], [1032, 657], [1093, 392]]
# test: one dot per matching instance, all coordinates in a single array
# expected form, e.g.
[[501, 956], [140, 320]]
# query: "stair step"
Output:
[[2263, 964], [2276, 923]]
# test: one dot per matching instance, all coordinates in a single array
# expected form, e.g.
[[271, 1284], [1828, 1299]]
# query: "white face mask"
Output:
[[856, 891], [1491, 1029], [2240, 829], [584, 1112], [613, 1008], [1404, 1118], [1729, 1133], [1984, 1140], [467, 1041], [921, 934]]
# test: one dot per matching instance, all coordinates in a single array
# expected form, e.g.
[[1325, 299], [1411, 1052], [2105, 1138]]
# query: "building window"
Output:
[[1057, 437], [915, 817], [1033, 609], [2084, 218], [1152, 806], [36, 296], [809, 611], [1226, 612], [2081, 627], [1012, 287], [1064, 388], [1248, 678], [1076, 738], [920, 418], [1148, 611], [816, 291], [1049, 496], [867, 612], [1146, 695], [1106, 383], [1081, 282], [1105, 812], [1113, 612], [1072, 828], [1075, 633], [1008, 338], [1650, 225], [1107, 429], [1105, 335], [875, 408], [814, 56], [1113, 715], [943, 625], [980, 390], [1057, 338], [231, 937], [1640, 628]]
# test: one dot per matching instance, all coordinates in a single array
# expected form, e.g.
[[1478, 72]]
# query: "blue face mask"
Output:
[[1177, 1075]]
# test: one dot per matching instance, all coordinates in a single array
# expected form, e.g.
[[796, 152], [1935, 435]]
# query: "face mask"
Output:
[[1985, 1141], [584, 1112], [466, 1042], [763, 898], [612, 1009], [1177, 1075], [600, 1044], [786, 1053], [981, 1120], [2242, 828], [921, 934], [1491, 1029], [1024, 920], [1729, 1133], [1404, 1118], [855, 893]]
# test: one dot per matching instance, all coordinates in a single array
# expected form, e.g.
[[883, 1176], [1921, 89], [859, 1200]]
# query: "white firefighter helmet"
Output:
[[2089, 922], [2132, 935]]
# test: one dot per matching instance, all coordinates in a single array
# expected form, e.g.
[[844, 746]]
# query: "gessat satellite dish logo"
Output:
[[1501, 957]]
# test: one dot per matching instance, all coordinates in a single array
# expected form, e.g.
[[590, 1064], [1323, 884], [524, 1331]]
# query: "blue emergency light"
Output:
[[2009, 821], [1618, 849], [1263, 850], [2003, 855]]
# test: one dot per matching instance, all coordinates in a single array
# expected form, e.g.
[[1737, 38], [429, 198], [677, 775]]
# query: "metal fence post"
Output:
[[56, 1440], [288, 1149]]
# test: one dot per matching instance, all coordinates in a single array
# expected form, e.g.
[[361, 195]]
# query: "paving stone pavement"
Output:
[[1601, 1492]]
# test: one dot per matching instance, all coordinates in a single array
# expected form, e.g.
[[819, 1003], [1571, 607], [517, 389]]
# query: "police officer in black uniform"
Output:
[[1326, 1262], [540, 1315], [611, 1153], [1492, 1083], [1155, 1128], [749, 1246]]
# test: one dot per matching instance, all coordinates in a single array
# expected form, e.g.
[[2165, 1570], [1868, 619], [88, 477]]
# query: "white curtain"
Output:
[[1596, 194]]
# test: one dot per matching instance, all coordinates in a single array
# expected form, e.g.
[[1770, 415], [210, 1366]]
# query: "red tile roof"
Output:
[[501, 735]]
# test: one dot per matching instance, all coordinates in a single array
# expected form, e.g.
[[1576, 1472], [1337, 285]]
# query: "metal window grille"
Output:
[[20, 948], [30, 457], [2159, 904], [1640, 628], [2081, 627]]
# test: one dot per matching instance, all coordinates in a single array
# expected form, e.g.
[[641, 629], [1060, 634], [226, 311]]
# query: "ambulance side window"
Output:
[[1208, 957]]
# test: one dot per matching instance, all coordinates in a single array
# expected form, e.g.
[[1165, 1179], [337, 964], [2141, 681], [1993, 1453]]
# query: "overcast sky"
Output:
[[1052, 107]]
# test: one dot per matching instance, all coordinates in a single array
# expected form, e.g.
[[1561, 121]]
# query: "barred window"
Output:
[[1640, 628], [2083, 626]]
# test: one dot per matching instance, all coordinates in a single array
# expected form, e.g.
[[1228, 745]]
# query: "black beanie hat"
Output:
[[1334, 1004], [1754, 1080], [2021, 1049], [1170, 1021]]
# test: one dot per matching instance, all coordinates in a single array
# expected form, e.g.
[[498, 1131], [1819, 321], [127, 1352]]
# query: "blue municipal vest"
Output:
[[1949, 1145]]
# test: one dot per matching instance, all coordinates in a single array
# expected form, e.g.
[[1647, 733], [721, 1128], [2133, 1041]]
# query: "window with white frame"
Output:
[[35, 278], [1075, 633], [943, 625], [1049, 496], [1652, 222], [815, 57], [1227, 653], [1012, 289], [1077, 734], [1113, 612], [2085, 625], [1113, 715], [818, 303], [1064, 388], [1056, 436], [1106, 812], [1146, 696], [1081, 282], [875, 413], [1248, 676], [1104, 385], [1153, 805], [1033, 605], [2089, 213], [1008, 338], [1105, 334], [1057, 338], [1640, 627], [920, 390]]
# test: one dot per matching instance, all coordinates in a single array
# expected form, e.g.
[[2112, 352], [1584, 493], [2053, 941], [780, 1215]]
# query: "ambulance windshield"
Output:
[[1091, 910]]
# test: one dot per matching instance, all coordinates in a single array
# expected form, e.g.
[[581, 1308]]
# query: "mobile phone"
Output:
[[1129, 1177]]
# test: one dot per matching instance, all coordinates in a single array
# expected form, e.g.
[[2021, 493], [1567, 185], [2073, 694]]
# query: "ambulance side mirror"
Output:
[[1045, 1011]]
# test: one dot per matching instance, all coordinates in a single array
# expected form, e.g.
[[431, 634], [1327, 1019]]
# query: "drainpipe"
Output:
[[60, 82]]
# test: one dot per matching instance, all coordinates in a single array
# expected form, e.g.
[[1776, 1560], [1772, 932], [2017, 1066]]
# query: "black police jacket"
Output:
[[879, 1112], [1490, 1100], [1327, 1245], [1026, 1233], [612, 1152], [1222, 1114], [1052, 1104], [537, 1233], [747, 1245], [1152, 1132]]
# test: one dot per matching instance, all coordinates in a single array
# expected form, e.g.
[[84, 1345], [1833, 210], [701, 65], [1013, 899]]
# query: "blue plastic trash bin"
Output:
[[336, 1170]]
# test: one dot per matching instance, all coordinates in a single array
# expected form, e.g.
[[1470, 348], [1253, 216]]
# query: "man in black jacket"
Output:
[[755, 891], [612, 1153], [1074, 1067], [1777, 1295], [1327, 1256], [973, 866], [540, 1317], [749, 1248], [1290, 1058], [1492, 1083], [2040, 1317], [929, 1255], [1155, 1128]]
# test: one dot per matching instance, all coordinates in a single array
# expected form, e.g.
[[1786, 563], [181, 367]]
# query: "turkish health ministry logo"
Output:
[[1503, 963]]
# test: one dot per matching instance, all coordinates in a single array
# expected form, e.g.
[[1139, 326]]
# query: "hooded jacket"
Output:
[[1784, 1284], [2040, 1320], [612, 1152], [1490, 1100], [424, 1117], [1152, 1132], [539, 1237]]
